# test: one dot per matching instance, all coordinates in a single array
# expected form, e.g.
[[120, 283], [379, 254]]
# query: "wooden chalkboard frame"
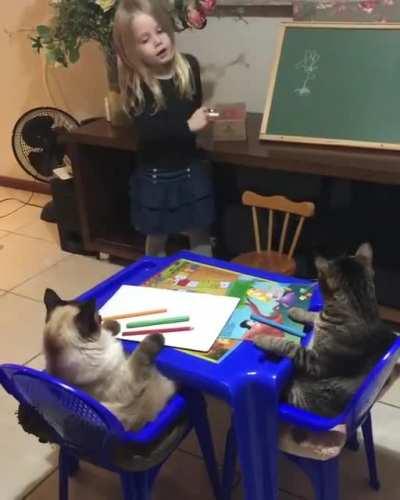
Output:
[[273, 76]]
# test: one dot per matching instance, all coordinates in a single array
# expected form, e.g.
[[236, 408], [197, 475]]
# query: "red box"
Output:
[[230, 125]]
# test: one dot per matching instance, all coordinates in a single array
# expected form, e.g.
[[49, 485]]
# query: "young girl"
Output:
[[170, 191]]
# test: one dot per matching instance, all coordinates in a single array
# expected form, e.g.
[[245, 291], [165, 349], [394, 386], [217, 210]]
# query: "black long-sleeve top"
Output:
[[165, 141]]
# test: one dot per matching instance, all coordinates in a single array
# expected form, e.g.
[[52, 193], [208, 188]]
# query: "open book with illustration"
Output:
[[258, 297]]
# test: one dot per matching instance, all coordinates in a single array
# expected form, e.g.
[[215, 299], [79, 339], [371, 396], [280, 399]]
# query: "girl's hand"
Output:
[[199, 120]]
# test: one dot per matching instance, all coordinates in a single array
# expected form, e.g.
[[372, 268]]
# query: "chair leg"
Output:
[[63, 474], [353, 443], [370, 452], [128, 485], [327, 484], [324, 476], [73, 465], [199, 417], [142, 486], [229, 464]]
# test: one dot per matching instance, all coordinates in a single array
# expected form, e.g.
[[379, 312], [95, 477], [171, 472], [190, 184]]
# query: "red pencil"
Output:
[[157, 330]]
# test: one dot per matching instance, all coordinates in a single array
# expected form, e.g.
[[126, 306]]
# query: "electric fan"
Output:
[[35, 146]]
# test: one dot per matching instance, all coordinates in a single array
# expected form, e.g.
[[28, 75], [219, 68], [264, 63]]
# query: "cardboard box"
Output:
[[230, 125]]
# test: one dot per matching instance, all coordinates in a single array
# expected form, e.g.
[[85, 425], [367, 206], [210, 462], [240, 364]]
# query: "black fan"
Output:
[[35, 146]]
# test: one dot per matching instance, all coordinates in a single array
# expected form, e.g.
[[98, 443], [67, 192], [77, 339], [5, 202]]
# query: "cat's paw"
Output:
[[112, 326], [152, 344], [296, 313], [264, 342]]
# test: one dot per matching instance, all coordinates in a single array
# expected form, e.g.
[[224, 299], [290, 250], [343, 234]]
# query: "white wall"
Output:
[[79, 89], [235, 57]]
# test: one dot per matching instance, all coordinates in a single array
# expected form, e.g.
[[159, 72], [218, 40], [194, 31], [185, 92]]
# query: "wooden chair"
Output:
[[275, 261]]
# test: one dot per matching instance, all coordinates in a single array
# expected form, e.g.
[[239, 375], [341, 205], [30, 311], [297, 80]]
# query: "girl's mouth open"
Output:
[[162, 53]]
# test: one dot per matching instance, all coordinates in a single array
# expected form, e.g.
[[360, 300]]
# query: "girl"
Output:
[[170, 191]]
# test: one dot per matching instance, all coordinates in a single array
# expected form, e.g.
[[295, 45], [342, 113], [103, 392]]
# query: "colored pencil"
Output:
[[279, 326], [134, 314], [159, 330], [157, 321]]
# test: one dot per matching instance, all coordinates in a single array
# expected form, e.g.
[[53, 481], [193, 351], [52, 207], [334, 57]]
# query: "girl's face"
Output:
[[154, 45]]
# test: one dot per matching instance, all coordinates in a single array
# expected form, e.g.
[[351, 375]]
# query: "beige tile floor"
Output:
[[30, 260]]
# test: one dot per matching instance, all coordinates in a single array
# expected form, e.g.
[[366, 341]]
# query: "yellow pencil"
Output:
[[134, 314]]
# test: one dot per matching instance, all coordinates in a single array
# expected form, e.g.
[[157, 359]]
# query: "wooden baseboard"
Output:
[[390, 314], [25, 185]]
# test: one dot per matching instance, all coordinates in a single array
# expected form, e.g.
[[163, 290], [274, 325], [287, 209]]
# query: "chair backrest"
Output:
[[372, 386], [303, 210], [360, 404], [78, 421]]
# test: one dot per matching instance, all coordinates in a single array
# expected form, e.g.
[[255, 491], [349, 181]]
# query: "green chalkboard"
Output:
[[336, 84]]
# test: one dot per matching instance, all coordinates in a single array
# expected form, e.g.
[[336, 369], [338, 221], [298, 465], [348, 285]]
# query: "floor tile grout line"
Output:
[[39, 273], [34, 237], [237, 482], [391, 405], [17, 233], [32, 359], [22, 296], [298, 497], [34, 488]]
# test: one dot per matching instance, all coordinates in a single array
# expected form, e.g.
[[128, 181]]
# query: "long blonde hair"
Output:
[[132, 71]]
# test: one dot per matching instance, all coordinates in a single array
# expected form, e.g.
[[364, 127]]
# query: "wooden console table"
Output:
[[102, 158]]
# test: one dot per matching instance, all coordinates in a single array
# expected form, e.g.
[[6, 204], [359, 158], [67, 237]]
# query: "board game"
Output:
[[258, 296]]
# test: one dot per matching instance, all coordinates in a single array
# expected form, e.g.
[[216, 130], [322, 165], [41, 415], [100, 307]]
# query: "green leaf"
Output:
[[43, 30], [36, 43], [74, 54], [51, 56]]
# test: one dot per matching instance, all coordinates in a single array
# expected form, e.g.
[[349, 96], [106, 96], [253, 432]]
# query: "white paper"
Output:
[[208, 314]]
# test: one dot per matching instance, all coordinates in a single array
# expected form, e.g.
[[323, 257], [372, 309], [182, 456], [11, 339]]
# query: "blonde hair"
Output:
[[132, 71]]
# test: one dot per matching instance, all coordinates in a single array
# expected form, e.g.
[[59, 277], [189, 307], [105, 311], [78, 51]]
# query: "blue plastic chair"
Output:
[[87, 430], [324, 475]]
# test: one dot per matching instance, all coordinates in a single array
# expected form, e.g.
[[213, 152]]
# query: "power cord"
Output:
[[24, 204]]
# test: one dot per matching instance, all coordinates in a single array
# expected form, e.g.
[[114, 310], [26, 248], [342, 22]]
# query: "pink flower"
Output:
[[340, 7], [195, 17], [368, 6], [207, 6]]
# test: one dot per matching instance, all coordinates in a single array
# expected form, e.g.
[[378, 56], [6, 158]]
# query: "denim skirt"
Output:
[[171, 201]]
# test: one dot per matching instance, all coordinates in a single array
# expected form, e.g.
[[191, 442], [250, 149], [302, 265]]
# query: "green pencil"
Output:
[[155, 321]]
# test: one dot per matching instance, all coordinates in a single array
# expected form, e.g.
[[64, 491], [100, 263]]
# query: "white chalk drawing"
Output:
[[309, 65]]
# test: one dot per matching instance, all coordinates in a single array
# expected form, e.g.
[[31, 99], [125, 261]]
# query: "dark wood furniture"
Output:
[[103, 157]]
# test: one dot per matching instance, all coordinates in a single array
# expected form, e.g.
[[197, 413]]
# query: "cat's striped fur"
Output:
[[349, 336]]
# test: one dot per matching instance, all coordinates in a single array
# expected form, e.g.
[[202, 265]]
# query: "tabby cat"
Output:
[[349, 338], [82, 350]]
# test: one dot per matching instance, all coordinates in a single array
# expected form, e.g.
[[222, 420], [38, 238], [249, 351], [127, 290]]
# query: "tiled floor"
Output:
[[31, 260]]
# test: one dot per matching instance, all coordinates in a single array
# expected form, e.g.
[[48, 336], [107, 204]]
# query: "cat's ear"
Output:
[[321, 264], [51, 300], [87, 319], [365, 254]]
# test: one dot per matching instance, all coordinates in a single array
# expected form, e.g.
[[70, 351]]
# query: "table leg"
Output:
[[255, 412]]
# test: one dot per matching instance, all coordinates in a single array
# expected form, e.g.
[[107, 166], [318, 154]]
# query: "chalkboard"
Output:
[[335, 84]]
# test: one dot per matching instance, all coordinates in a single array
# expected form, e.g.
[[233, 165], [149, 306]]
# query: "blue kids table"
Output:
[[246, 379]]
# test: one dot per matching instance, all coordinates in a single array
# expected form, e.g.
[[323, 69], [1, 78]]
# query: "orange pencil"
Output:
[[134, 314]]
